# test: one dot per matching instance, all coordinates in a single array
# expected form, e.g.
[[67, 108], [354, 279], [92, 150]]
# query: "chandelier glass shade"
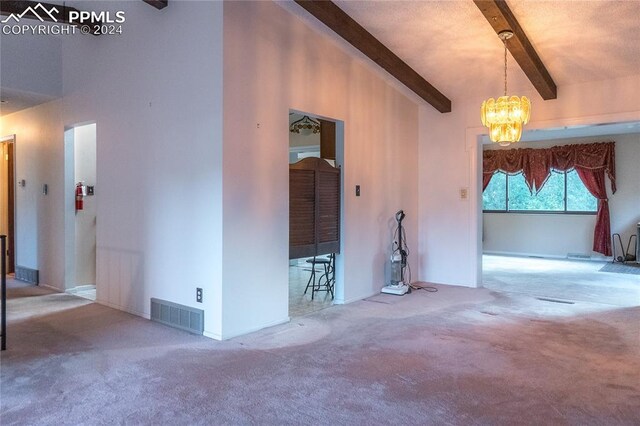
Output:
[[306, 125], [506, 115]]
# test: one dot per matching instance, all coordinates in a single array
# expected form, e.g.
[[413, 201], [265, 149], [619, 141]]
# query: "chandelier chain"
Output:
[[505, 67]]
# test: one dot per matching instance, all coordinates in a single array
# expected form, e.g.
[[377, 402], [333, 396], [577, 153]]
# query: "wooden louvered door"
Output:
[[314, 208], [302, 213]]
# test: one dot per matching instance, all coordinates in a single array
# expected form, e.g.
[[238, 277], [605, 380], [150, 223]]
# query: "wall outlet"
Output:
[[199, 295]]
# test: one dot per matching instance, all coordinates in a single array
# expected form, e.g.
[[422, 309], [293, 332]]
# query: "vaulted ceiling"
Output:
[[451, 44]]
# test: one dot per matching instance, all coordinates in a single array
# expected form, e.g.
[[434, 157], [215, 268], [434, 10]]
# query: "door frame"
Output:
[[339, 273], [10, 140]]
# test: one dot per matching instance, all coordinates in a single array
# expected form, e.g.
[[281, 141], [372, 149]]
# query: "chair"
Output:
[[328, 275]]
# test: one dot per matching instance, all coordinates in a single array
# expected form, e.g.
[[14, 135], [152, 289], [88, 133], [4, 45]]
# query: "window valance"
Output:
[[536, 164]]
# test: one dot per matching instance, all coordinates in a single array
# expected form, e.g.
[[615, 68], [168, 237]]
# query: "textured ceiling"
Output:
[[453, 46]]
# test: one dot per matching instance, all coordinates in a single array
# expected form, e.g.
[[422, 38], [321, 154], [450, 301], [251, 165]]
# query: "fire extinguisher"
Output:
[[79, 196]]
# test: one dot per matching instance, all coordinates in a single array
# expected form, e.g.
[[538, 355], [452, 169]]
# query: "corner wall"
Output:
[[84, 144], [274, 61], [155, 93], [39, 218]]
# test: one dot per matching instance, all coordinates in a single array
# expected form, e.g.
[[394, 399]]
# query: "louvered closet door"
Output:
[[302, 216], [314, 208], [328, 223]]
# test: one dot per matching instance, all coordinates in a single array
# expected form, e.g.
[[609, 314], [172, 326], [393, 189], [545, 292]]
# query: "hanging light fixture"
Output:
[[505, 116], [306, 124]]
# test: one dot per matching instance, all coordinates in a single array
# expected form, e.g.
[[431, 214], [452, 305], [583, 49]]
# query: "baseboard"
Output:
[[81, 288], [428, 283], [124, 309], [214, 336], [28, 275], [567, 256], [254, 329], [51, 287]]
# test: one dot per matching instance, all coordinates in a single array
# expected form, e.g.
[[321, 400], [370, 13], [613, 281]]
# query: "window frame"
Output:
[[565, 211]]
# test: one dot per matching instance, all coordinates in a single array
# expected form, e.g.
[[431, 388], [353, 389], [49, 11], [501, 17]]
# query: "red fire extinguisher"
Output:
[[79, 196]]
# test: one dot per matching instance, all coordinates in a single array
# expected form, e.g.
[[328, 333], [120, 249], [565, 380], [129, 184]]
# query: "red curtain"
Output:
[[591, 162], [594, 181], [486, 178]]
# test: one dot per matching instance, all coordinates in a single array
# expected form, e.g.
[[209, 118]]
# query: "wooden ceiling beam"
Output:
[[501, 18], [42, 12], [158, 4], [347, 28]]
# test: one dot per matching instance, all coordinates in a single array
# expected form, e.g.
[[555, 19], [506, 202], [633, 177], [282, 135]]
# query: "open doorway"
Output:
[[7, 198], [80, 210], [315, 275], [544, 243]]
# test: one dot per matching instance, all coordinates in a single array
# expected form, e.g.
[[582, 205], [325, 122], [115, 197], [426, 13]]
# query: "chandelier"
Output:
[[306, 124], [505, 116]]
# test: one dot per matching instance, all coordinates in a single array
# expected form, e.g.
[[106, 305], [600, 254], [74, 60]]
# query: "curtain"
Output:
[[594, 181], [591, 161], [486, 178]]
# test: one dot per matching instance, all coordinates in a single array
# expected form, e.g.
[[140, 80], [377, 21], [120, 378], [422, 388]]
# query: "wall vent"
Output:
[[28, 275], [178, 316], [580, 256]]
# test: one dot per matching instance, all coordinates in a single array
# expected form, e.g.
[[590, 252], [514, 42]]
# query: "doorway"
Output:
[[7, 198], [540, 243], [80, 210], [312, 136]]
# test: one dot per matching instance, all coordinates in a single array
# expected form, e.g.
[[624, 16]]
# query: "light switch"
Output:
[[357, 190], [464, 193]]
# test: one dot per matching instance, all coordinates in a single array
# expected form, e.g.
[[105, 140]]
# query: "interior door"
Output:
[[7, 202]]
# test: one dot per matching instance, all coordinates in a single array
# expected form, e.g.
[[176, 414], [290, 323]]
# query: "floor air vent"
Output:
[[178, 316], [566, 302]]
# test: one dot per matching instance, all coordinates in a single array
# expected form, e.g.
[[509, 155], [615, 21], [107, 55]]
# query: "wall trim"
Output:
[[124, 309], [545, 256], [253, 329]]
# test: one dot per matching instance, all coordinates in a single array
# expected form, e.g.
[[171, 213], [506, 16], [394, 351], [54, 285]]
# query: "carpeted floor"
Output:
[[571, 280], [458, 356]]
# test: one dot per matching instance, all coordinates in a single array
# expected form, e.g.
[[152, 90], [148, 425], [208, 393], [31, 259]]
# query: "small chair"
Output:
[[328, 275]]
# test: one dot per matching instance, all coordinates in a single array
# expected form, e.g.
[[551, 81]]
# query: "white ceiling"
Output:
[[451, 44]]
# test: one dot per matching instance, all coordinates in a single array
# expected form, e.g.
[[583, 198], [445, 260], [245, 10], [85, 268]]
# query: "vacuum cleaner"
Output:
[[398, 286]]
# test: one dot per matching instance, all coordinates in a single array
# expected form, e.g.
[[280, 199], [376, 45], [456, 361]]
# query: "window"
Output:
[[563, 192]]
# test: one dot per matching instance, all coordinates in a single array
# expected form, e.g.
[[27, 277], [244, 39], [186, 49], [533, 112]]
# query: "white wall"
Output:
[[270, 56], [560, 234], [155, 93], [84, 143], [39, 218], [450, 158], [31, 63]]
